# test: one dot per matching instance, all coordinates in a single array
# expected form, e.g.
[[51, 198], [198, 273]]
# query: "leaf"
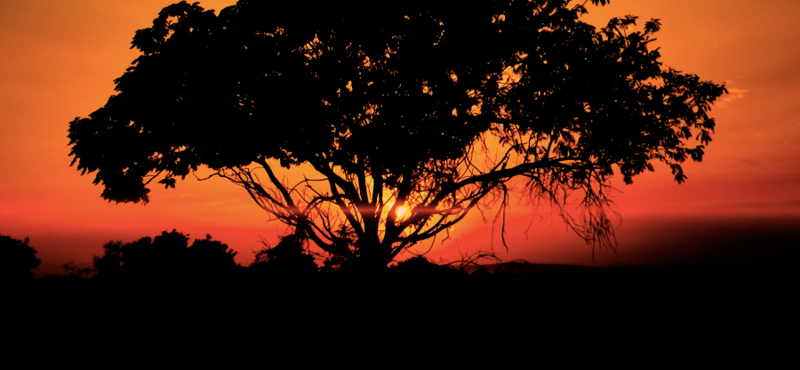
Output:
[[168, 182], [652, 26]]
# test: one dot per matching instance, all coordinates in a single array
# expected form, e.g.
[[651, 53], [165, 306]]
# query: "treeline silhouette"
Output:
[[167, 256], [166, 298], [170, 257], [170, 301], [17, 260]]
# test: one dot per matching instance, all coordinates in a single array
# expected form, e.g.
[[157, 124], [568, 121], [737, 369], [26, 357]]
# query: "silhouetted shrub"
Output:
[[74, 273], [481, 272], [362, 268], [111, 261], [17, 259], [288, 257], [422, 275], [422, 267], [332, 264], [166, 255], [210, 255]]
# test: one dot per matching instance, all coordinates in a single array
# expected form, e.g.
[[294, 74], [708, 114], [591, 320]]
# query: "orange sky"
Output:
[[59, 59]]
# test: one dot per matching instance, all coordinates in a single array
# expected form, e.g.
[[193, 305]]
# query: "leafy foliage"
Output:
[[166, 254], [288, 257], [17, 259], [410, 104], [74, 272]]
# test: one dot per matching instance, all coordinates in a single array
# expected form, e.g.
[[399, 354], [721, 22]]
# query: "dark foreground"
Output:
[[639, 317]]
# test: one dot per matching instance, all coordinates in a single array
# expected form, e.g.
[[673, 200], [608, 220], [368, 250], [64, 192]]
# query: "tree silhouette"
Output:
[[288, 257], [110, 262], [17, 260], [403, 117], [73, 272], [208, 254], [164, 256]]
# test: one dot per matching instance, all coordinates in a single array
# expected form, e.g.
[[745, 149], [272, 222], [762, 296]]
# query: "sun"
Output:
[[401, 211]]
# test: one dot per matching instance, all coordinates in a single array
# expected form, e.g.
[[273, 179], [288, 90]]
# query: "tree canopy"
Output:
[[17, 259], [405, 106], [166, 254]]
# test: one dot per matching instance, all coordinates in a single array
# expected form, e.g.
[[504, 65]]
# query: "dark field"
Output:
[[635, 316]]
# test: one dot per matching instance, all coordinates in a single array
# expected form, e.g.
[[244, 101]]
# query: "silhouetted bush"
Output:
[[332, 264], [17, 260], [418, 277], [210, 256], [420, 267], [288, 257], [74, 273], [165, 256], [111, 261]]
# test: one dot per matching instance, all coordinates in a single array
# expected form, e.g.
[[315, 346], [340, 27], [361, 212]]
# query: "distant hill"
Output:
[[525, 268], [521, 267]]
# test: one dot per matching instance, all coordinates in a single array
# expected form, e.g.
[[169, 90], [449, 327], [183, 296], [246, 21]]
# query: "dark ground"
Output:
[[640, 317]]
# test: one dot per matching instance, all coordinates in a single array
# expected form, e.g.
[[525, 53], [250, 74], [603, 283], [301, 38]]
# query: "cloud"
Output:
[[734, 93]]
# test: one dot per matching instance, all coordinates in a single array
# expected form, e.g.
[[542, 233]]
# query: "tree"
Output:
[[17, 259], [288, 257], [168, 254], [111, 261], [73, 272], [405, 116]]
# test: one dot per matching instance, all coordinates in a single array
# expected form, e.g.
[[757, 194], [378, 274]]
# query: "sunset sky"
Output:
[[58, 60]]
